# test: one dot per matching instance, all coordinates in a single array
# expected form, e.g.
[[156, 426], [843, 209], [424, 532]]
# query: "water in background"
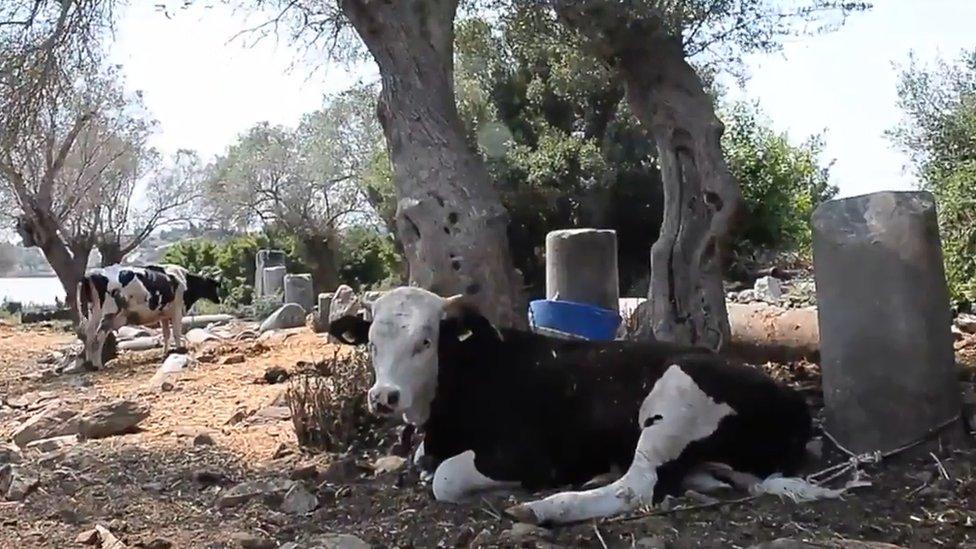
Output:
[[37, 291]]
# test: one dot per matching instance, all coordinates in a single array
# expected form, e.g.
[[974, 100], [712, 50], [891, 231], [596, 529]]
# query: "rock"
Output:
[[9, 454], [244, 492], [252, 540], [158, 543], [768, 289], [521, 532], [15, 485], [208, 477], [337, 541], [341, 470], [483, 539], [746, 296], [966, 323], [141, 344], [31, 400], [298, 290], [114, 418], [388, 464], [299, 501], [306, 471], [166, 386], [289, 315], [344, 303], [238, 416], [203, 439], [653, 542], [789, 543], [889, 374], [173, 364], [271, 413], [88, 537], [236, 358], [281, 451], [126, 333], [276, 374], [53, 422], [53, 444], [199, 336]]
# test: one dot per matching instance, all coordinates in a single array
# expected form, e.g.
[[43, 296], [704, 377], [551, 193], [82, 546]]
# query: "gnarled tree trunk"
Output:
[[449, 217], [701, 198], [37, 228]]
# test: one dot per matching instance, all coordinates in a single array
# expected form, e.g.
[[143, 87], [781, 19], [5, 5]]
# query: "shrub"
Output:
[[368, 259], [328, 406]]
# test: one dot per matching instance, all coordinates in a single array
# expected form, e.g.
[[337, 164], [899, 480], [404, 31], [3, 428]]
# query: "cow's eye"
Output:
[[426, 343]]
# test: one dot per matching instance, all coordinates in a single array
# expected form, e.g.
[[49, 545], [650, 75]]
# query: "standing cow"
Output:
[[503, 408], [116, 296]]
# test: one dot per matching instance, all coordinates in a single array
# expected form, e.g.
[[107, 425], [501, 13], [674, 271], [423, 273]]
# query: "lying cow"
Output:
[[116, 296], [502, 408]]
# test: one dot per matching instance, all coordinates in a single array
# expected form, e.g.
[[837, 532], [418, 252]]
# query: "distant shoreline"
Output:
[[29, 275]]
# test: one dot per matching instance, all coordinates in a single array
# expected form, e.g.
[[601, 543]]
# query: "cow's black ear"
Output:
[[462, 321], [352, 330]]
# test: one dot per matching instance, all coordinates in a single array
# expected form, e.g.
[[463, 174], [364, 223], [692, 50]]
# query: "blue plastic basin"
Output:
[[574, 319]]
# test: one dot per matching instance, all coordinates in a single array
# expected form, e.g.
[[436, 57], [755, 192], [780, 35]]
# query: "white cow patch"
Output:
[[675, 414], [457, 479]]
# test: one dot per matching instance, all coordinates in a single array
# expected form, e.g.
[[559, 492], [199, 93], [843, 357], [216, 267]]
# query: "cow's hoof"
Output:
[[523, 513]]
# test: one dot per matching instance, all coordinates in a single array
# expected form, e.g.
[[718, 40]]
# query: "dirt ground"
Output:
[[158, 488]]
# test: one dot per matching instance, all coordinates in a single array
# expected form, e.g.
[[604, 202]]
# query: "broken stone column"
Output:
[[298, 289], [273, 281], [581, 266], [321, 320], [264, 259], [885, 343]]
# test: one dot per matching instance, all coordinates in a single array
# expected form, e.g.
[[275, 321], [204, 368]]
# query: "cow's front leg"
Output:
[[164, 324], [675, 413], [457, 479], [177, 321]]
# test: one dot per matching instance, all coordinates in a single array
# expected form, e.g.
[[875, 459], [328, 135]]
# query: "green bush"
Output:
[[781, 183], [232, 262], [955, 193], [368, 259]]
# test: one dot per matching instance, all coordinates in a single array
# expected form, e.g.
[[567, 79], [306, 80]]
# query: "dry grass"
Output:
[[328, 404]]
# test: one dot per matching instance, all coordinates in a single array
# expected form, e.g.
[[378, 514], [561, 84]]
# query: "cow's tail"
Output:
[[797, 489]]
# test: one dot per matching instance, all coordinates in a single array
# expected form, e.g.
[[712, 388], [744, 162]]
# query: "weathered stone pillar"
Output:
[[298, 289], [265, 258], [273, 281], [321, 322], [885, 345], [581, 266]]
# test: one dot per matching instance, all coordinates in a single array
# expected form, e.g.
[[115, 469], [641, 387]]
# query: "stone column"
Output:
[[265, 258], [321, 323], [298, 289], [273, 281], [885, 345], [581, 266]]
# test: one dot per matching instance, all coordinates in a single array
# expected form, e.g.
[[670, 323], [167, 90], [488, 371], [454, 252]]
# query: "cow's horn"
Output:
[[454, 305]]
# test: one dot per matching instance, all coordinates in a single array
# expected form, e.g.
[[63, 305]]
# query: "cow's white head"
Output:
[[405, 335]]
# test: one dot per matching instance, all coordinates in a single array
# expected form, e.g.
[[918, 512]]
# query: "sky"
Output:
[[205, 88]]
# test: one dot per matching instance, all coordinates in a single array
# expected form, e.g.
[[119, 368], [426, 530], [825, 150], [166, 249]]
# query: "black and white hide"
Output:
[[503, 408], [116, 296]]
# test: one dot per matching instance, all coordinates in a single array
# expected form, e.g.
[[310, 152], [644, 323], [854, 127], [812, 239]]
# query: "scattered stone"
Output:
[[768, 289], [208, 477], [247, 491], [320, 318], [158, 543], [276, 374], [298, 290], [966, 323], [521, 532], [9, 454], [483, 539], [203, 439], [280, 399], [198, 336], [236, 358], [271, 413], [289, 315], [299, 501], [338, 541], [252, 540], [53, 444], [652, 542], [14, 484], [463, 537], [341, 470], [166, 386], [131, 332], [31, 400], [54, 421], [88, 537], [114, 418], [281, 451], [306, 471], [238, 416], [388, 464]]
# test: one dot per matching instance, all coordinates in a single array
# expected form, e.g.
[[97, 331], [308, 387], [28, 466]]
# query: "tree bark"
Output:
[[321, 256], [701, 198], [449, 217], [39, 229], [111, 253]]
